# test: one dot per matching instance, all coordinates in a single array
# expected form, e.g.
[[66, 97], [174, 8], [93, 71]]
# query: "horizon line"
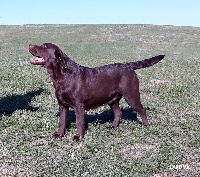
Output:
[[51, 24]]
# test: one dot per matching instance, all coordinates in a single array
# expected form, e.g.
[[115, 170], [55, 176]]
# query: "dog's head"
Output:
[[47, 54]]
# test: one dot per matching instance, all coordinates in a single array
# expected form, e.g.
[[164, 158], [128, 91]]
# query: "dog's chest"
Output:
[[64, 95]]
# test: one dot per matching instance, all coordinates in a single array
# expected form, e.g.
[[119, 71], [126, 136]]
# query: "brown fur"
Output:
[[84, 88]]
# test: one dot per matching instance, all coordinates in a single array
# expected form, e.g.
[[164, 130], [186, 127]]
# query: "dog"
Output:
[[83, 88]]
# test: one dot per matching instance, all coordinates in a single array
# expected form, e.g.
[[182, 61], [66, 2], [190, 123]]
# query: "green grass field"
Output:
[[170, 90]]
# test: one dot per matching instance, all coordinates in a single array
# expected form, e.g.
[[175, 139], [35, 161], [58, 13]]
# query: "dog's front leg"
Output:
[[80, 123], [63, 121]]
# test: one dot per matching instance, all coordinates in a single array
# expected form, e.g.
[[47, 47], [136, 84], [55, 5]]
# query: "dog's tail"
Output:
[[145, 63]]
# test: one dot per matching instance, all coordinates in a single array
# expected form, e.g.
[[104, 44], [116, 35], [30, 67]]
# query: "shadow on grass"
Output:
[[104, 117], [10, 104]]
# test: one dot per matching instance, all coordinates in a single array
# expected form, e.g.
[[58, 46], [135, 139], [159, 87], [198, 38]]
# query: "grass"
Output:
[[170, 91]]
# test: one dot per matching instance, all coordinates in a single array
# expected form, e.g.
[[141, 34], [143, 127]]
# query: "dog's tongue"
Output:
[[37, 61]]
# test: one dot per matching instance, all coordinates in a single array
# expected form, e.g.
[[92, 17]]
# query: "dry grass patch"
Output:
[[137, 151], [10, 170], [157, 82]]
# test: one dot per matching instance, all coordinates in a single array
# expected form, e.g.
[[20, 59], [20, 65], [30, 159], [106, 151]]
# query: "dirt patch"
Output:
[[10, 170], [137, 151], [157, 82]]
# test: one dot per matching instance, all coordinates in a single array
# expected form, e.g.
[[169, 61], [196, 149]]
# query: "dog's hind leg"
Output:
[[117, 112], [134, 101]]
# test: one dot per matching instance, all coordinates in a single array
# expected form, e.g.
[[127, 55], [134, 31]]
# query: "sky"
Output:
[[157, 12]]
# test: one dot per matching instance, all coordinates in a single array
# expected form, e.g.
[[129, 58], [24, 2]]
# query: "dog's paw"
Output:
[[145, 123], [77, 137], [112, 127], [57, 135]]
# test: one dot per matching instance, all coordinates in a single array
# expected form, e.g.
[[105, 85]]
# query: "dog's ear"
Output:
[[60, 58]]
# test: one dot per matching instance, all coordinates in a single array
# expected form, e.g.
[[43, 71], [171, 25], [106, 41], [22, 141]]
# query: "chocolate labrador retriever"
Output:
[[84, 88]]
